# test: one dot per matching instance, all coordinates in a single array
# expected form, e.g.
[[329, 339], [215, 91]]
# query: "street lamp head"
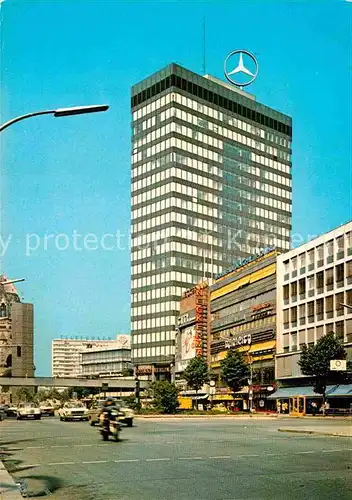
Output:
[[80, 110]]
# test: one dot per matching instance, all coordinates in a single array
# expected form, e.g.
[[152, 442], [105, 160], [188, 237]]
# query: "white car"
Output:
[[47, 409], [28, 410], [73, 411]]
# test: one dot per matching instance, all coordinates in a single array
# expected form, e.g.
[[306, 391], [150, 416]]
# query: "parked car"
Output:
[[73, 411], [28, 410], [11, 411], [126, 414], [47, 409]]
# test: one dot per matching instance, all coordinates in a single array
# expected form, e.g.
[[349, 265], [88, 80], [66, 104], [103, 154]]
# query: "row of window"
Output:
[[143, 338], [233, 241], [146, 352], [293, 341], [173, 142], [245, 194], [183, 262], [186, 175], [234, 179], [197, 194], [174, 187], [156, 293], [315, 284], [234, 165], [245, 327], [318, 310], [200, 166], [174, 202], [172, 232], [317, 254], [195, 134], [192, 221], [155, 106], [161, 278], [212, 97], [175, 157]]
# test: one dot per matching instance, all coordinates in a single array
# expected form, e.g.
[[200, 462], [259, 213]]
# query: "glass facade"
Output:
[[211, 183]]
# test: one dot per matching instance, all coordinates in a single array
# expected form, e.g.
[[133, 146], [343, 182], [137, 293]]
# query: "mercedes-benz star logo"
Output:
[[246, 73]]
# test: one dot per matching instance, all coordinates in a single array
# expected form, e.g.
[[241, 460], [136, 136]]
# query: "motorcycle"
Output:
[[109, 428]]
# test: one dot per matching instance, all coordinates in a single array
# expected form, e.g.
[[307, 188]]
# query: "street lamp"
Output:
[[348, 306], [77, 110]]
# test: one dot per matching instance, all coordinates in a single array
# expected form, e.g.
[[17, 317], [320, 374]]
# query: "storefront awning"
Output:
[[332, 391], [288, 392], [340, 391]]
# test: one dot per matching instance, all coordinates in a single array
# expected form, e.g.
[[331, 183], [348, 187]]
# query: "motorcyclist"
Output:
[[109, 412]]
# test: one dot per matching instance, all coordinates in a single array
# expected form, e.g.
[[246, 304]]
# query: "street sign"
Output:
[[338, 365]]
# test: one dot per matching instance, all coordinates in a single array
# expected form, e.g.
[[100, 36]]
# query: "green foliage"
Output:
[[234, 370], [315, 361], [196, 373], [48, 395], [165, 396], [130, 401], [24, 395]]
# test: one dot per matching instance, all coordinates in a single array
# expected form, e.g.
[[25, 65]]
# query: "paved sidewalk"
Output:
[[326, 430], [8, 488]]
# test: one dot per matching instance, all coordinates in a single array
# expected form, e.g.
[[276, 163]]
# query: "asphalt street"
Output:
[[181, 459]]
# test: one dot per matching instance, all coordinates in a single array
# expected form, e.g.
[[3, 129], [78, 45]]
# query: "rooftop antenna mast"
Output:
[[203, 65]]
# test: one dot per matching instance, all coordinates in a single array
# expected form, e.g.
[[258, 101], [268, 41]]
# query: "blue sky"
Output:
[[61, 175]]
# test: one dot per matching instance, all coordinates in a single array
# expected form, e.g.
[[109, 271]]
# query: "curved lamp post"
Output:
[[78, 110]]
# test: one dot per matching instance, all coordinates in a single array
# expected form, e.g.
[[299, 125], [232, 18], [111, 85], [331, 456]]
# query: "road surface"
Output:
[[200, 459]]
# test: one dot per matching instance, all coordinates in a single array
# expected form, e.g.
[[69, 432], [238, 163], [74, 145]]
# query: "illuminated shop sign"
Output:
[[238, 341], [243, 262], [181, 320]]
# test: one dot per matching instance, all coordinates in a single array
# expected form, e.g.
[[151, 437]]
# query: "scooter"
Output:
[[109, 428]]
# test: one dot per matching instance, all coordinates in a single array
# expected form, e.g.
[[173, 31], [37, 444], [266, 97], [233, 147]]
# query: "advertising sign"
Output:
[[187, 343], [238, 341]]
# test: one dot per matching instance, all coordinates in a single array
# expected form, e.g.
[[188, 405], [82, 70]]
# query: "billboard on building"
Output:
[[188, 350]]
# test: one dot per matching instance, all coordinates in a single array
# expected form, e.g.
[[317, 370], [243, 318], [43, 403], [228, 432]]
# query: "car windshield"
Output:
[[30, 405], [74, 405]]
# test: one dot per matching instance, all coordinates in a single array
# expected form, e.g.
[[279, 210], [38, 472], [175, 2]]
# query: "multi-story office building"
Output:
[[313, 282], [243, 317], [67, 353], [106, 362], [211, 183]]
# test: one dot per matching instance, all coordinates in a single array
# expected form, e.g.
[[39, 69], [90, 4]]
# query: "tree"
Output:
[[23, 394], [315, 362], [234, 370], [165, 396], [196, 373]]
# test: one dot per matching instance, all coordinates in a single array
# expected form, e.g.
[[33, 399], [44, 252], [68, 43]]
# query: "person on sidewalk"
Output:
[[314, 408]]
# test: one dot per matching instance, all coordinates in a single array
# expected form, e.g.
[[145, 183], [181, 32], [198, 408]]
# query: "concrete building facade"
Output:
[[313, 282], [243, 317], [210, 183], [106, 362], [67, 353]]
